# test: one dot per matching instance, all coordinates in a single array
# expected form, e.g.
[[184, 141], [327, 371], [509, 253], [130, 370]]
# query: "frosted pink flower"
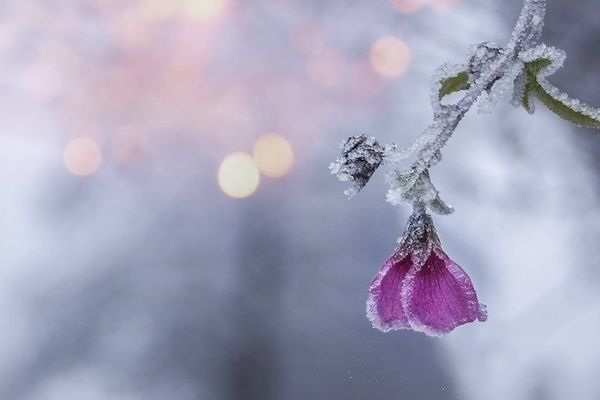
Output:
[[421, 288]]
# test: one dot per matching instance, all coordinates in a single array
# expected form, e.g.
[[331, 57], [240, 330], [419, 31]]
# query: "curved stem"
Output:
[[526, 32]]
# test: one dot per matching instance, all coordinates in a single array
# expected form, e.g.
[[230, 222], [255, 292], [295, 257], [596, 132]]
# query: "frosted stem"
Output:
[[526, 32], [490, 68]]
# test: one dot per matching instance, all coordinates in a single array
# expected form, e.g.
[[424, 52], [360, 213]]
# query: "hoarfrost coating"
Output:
[[515, 72]]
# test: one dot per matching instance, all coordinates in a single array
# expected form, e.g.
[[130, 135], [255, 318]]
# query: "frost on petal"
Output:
[[384, 306], [439, 296]]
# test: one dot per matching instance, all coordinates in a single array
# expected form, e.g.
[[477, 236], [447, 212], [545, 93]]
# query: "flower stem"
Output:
[[526, 32]]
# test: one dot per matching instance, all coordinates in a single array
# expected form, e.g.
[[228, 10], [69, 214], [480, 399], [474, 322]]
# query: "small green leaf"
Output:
[[564, 108], [534, 67], [454, 84]]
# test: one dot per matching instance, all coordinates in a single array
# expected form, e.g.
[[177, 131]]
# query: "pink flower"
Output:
[[421, 288]]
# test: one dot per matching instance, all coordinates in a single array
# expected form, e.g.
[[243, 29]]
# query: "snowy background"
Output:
[[127, 272]]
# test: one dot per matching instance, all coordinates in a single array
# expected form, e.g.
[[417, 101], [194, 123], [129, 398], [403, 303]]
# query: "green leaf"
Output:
[[454, 84], [534, 67], [563, 106], [564, 109]]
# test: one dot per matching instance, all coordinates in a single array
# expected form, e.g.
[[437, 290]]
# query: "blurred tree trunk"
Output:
[[254, 364]]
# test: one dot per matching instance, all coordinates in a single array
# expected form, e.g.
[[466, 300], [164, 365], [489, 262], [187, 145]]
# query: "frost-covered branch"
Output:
[[487, 64], [520, 67], [406, 292]]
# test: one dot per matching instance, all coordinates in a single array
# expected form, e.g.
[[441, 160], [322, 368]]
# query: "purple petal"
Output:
[[384, 306], [439, 296]]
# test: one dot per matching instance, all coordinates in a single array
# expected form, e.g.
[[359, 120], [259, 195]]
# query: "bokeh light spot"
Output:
[[238, 175], [326, 67], [195, 9], [390, 56], [128, 147], [306, 37], [444, 5], [409, 6], [82, 156], [273, 155], [203, 9], [364, 81]]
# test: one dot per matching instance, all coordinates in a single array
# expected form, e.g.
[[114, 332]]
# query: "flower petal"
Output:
[[384, 306], [440, 296]]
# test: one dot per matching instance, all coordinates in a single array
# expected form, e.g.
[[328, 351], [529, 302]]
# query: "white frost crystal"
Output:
[[422, 141], [556, 58], [410, 187], [415, 187], [502, 89], [528, 29], [481, 56]]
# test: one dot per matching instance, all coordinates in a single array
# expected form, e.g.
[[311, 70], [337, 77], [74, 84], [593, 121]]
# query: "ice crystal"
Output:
[[409, 187], [481, 56], [422, 142], [528, 29], [415, 187], [503, 89], [555, 57]]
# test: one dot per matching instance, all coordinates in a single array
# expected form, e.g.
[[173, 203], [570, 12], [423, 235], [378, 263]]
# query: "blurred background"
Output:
[[170, 230]]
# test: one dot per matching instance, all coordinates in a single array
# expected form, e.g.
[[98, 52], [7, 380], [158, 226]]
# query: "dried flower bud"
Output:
[[360, 158]]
